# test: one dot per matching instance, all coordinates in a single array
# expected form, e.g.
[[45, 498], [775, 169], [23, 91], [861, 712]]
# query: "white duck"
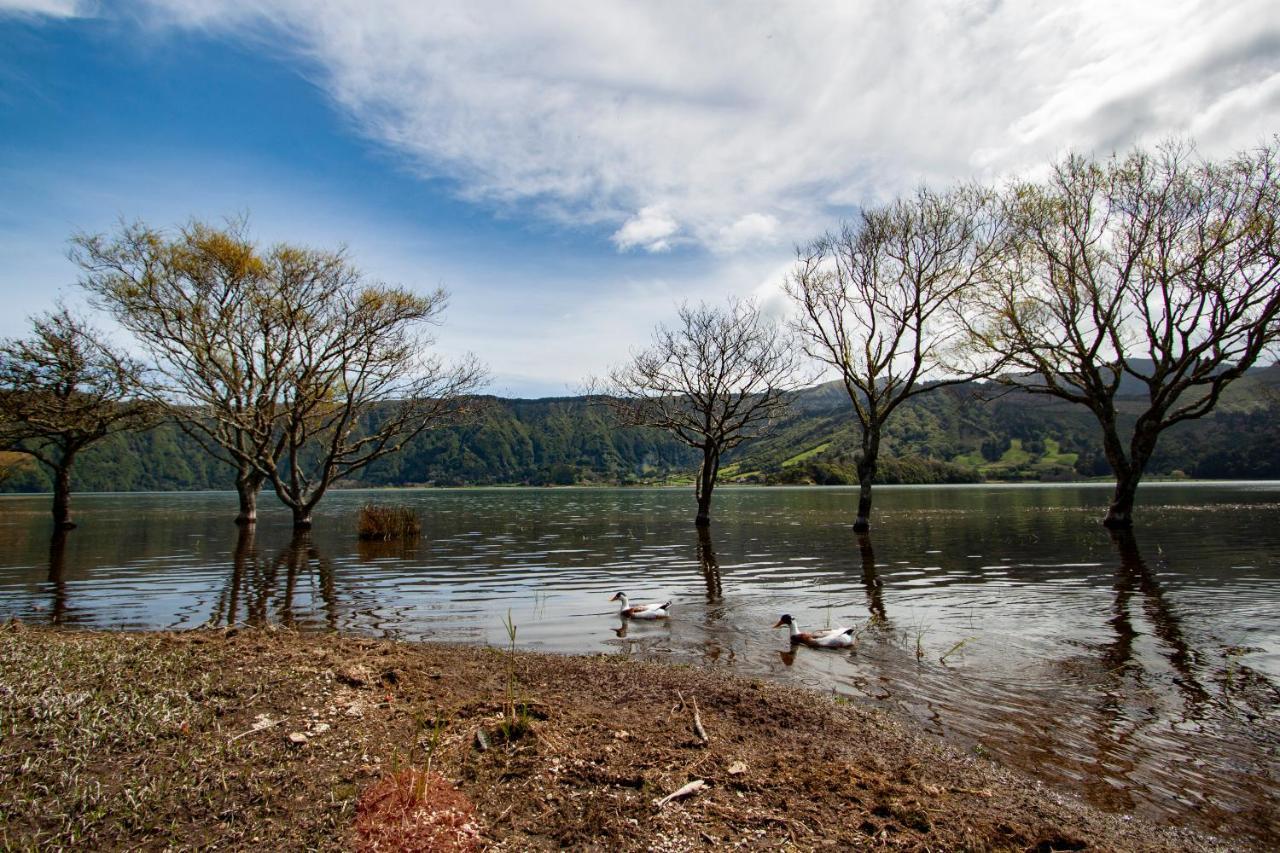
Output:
[[641, 611], [829, 638]]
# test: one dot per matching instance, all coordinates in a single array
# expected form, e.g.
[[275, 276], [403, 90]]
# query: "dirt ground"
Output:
[[269, 739]]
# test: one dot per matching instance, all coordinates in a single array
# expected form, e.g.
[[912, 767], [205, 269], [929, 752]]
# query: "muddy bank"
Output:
[[270, 739]]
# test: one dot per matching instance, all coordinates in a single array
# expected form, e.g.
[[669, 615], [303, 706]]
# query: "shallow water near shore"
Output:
[[1140, 673]]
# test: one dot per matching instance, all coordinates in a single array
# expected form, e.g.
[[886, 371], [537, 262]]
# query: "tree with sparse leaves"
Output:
[[722, 376], [1155, 269], [209, 308], [361, 382], [880, 303], [61, 390], [286, 363]]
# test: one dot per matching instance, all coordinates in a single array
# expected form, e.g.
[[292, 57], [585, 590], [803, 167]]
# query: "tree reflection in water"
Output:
[[58, 612], [871, 579], [257, 582], [710, 566], [1127, 705]]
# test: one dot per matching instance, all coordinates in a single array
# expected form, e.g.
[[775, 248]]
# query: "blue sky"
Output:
[[569, 171]]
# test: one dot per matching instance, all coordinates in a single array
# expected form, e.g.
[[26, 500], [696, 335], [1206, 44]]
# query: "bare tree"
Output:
[[360, 382], [722, 376], [61, 390], [286, 363], [211, 311], [880, 303], [1155, 270]]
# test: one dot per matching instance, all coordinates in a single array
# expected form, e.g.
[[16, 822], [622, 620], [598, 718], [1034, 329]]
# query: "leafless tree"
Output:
[[722, 376], [1157, 268], [361, 382], [61, 390], [880, 303]]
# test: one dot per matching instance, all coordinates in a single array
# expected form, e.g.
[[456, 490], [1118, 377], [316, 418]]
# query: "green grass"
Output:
[[800, 457], [1018, 462]]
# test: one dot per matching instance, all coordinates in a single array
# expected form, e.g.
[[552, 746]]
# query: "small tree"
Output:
[[1156, 268], [61, 390], [721, 377], [359, 383], [880, 303]]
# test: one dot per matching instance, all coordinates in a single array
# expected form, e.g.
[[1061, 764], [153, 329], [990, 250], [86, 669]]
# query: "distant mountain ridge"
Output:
[[962, 433]]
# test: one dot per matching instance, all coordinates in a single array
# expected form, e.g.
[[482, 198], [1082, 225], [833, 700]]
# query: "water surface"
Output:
[[1139, 673]]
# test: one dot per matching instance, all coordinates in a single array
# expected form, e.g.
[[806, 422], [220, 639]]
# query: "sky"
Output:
[[570, 171]]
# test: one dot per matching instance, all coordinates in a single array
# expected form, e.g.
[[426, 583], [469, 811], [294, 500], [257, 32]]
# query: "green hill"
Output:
[[958, 434]]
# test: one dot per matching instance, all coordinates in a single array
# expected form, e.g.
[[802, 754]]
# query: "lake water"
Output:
[[1140, 674]]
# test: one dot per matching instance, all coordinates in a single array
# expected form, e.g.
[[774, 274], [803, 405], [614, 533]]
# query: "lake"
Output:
[[1139, 673]]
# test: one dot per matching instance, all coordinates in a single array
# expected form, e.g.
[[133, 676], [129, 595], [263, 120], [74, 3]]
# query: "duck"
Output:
[[829, 638], [641, 611]]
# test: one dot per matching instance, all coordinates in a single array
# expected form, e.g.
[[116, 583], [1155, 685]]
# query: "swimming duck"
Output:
[[829, 638], [641, 611]]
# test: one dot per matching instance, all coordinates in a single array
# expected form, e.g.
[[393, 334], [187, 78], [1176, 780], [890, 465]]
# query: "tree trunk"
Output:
[[248, 484], [710, 565], [706, 483], [62, 495], [1128, 472], [866, 476], [1120, 513], [302, 518]]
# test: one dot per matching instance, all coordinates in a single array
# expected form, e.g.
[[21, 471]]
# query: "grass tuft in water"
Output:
[[382, 523]]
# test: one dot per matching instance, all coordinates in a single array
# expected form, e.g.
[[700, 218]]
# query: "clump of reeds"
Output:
[[382, 523]]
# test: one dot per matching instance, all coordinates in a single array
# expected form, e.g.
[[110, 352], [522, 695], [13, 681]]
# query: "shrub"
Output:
[[384, 523]]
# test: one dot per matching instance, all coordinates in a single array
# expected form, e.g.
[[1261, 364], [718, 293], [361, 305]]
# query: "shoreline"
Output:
[[184, 739]]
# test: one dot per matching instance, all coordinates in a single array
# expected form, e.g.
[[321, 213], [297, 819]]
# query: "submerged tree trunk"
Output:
[[1120, 512], [710, 565], [302, 518], [866, 476], [62, 495], [1128, 469], [248, 485], [706, 483]]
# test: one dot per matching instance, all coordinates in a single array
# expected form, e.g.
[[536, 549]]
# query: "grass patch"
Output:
[[800, 457], [383, 523]]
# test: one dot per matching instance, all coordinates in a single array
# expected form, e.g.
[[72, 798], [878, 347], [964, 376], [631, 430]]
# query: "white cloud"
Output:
[[762, 120], [46, 8], [750, 231], [651, 229]]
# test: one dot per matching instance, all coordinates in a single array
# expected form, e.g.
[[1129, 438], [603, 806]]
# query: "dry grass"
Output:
[[382, 523], [177, 741]]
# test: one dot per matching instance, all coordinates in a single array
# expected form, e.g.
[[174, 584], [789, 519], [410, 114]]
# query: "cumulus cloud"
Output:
[[762, 121], [651, 229]]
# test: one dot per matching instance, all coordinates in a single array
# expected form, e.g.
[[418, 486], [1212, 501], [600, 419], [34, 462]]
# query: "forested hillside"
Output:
[[960, 434]]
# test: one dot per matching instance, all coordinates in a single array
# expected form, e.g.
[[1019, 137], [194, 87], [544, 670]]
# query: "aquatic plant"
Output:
[[382, 523]]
